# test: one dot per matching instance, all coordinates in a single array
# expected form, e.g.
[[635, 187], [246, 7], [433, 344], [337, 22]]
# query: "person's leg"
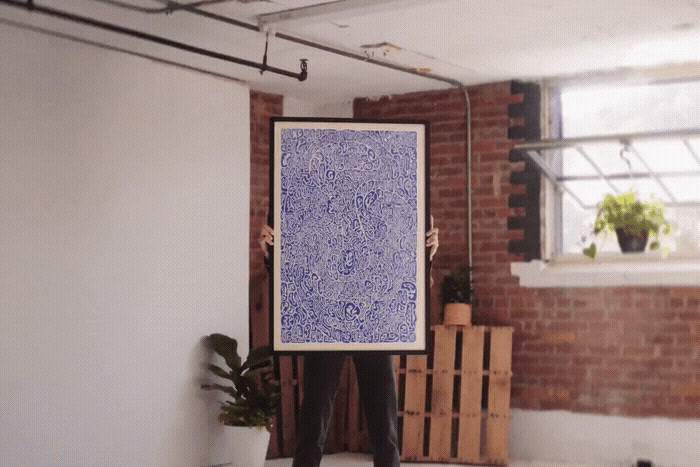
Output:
[[322, 372], [377, 383]]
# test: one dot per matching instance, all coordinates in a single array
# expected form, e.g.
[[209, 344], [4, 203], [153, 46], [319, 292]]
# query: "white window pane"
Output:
[[606, 156], [589, 192], [577, 223], [685, 189], [695, 145], [605, 110], [600, 110], [686, 229], [612, 160], [648, 189], [666, 156], [574, 164]]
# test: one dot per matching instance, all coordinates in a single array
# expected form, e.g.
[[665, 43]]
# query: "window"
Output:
[[610, 139], [661, 161]]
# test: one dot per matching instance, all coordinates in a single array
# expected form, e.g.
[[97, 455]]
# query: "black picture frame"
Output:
[[331, 277]]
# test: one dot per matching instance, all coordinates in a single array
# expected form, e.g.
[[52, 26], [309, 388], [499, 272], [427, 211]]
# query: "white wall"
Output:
[[299, 108], [124, 194]]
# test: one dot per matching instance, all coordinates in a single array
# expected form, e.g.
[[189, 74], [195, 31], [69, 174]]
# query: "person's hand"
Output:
[[433, 242], [267, 237]]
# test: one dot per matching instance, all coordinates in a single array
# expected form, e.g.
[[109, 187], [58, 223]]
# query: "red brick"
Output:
[[626, 329]]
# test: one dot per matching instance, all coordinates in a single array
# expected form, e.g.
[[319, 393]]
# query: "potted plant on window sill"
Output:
[[253, 399], [633, 221], [456, 296]]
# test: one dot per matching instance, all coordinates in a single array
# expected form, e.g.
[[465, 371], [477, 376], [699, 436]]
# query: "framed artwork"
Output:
[[349, 206]]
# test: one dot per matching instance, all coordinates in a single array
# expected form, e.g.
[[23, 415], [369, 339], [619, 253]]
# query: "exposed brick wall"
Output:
[[629, 351], [446, 112], [262, 107]]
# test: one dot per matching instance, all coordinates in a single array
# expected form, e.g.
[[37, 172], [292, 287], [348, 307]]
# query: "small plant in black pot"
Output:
[[633, 221], [456, 295]]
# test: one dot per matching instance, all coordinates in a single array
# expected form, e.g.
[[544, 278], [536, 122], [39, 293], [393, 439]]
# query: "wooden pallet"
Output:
[[454, 403], [456, 400]]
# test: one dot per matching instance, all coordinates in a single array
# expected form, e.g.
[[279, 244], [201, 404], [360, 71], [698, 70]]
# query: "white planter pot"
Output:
[[247, 445]]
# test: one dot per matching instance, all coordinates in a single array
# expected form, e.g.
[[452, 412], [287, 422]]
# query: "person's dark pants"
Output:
[[377, 384]]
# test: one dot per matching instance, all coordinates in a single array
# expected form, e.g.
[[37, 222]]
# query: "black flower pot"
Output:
[[630, 243]]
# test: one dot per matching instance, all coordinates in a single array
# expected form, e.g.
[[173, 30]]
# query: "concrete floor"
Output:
[[347, 459]]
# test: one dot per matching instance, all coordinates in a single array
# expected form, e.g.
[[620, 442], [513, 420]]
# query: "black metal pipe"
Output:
[[192, 8], [150, 37], [169, 8], [172, 6]]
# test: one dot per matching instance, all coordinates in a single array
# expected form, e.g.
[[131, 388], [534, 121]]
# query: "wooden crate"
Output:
[[454, 404]]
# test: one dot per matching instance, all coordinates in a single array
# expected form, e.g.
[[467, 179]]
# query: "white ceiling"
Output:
[[469, 42]]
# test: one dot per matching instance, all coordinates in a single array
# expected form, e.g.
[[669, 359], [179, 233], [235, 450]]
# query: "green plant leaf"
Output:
[[258, 357], [636, 217], [457, 287], [227, 347], [220, 372], [227, 389], [591, 251], [254, 395]]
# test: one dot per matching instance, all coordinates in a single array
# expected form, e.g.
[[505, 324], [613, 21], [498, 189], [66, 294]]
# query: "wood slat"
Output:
[[442, 397], [300, 378], [414, 407], [497, 423], [260, 335], [288, 406], [259, 310], [472, 373], [273, 451]]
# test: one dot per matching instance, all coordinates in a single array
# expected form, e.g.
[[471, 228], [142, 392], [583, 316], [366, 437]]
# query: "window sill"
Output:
[[612, 271]]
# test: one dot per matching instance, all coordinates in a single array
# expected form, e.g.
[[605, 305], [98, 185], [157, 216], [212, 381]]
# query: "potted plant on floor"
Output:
[[633, 221], [456, 295], [253, 399]]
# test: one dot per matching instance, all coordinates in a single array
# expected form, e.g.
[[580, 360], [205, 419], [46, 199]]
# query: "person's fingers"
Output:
[[267, 237], [432, 240], [433, 250], [268, 233]]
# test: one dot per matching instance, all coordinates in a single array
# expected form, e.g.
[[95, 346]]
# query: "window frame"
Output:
[[609, 269]]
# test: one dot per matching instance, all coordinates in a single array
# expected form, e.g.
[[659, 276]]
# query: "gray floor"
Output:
[[347, 459]]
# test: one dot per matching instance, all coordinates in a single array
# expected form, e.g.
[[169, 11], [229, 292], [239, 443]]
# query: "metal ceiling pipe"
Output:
[[32, 7], [171, 6]]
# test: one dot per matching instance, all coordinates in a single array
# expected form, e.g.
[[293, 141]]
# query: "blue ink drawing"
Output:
[[348, 236]]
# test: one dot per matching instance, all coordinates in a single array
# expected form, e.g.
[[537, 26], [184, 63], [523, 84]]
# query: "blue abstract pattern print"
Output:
[[348, 236]]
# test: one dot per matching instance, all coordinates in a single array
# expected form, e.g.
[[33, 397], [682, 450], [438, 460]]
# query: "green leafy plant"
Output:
[[627, 214], [254, 395], [457, 286]]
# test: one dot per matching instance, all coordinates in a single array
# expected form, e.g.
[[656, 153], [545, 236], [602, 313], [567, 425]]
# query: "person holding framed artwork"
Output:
[[376, 381]]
